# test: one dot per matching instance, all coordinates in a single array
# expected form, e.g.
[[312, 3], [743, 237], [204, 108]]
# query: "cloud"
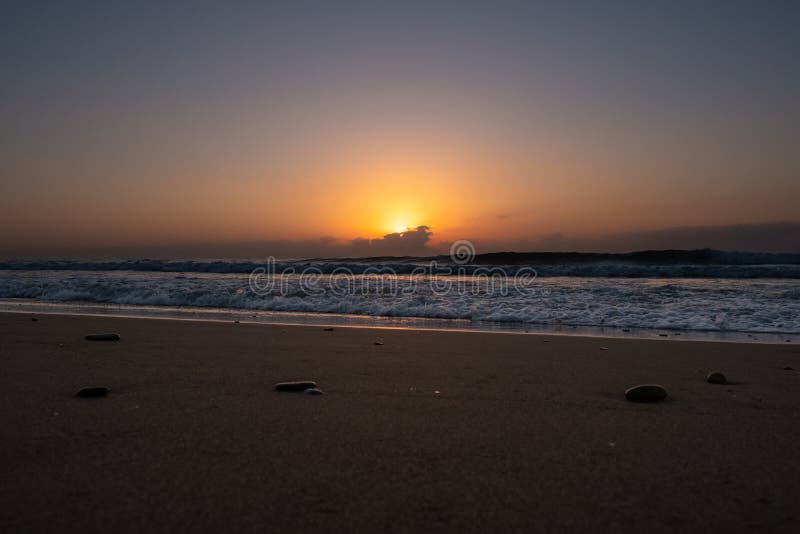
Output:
[[412, 242], [769, 237]]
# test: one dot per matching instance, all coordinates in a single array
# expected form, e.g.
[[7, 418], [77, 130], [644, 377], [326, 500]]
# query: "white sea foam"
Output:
[[744, 305]]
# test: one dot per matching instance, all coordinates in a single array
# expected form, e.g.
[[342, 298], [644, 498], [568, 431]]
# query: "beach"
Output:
[[430, 430]]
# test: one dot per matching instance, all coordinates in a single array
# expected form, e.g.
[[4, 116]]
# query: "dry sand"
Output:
[[523, 434]]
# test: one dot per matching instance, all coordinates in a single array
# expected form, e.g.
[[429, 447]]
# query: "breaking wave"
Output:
[[646, 264], [719, 304]]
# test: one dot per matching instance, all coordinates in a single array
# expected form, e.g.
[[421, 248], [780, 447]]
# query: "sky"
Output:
[[366, 128]]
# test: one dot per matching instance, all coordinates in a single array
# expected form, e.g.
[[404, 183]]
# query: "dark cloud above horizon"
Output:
[[412, 242], [769, 237]]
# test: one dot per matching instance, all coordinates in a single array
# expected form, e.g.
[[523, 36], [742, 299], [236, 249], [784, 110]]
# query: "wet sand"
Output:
[[429, 431]]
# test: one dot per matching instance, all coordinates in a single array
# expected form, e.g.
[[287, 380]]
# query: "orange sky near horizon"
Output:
[[374, 195]]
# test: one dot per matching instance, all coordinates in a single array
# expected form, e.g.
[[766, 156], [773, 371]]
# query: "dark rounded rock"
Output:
[[34, 319], [328, 329], [646, 393], [92, 392], [715, 377], [312, 391], [379, 342], [295, 386], [103, 337], [788, 368]]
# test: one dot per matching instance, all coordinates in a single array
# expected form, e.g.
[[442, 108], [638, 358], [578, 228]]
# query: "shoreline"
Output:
[[26, 306]]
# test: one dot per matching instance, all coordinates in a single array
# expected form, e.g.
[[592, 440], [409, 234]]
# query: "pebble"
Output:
[[788, 368], [34, 319], [98, 391], [312, 391], [715, 377], [663, 335], [603, 348], [379, 342], [328, 329], [295, 386], [626, 329], [646, 393], [103, 337]]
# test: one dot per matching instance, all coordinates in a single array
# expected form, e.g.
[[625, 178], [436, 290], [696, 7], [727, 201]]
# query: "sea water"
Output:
[[752, 301]]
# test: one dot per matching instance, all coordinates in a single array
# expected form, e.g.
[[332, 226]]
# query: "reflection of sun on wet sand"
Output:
[[416, 430]]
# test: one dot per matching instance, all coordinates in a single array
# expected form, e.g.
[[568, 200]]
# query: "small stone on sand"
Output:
[[34, 319], [603, 348], [663, 335], [312, 391], [98, 391], [103, 337], [646, 393], [295, 386], [328, 329], [787, 368], [715, 377], [379, 342]]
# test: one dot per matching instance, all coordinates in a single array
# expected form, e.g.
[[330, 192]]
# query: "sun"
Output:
[[401, 219], [399, 223]]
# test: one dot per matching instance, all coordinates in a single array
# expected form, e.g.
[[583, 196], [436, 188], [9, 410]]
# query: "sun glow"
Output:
[[392, 194], [402, 222]]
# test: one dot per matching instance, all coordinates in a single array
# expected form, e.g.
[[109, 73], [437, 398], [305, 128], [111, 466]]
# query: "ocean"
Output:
[[674, 294]]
